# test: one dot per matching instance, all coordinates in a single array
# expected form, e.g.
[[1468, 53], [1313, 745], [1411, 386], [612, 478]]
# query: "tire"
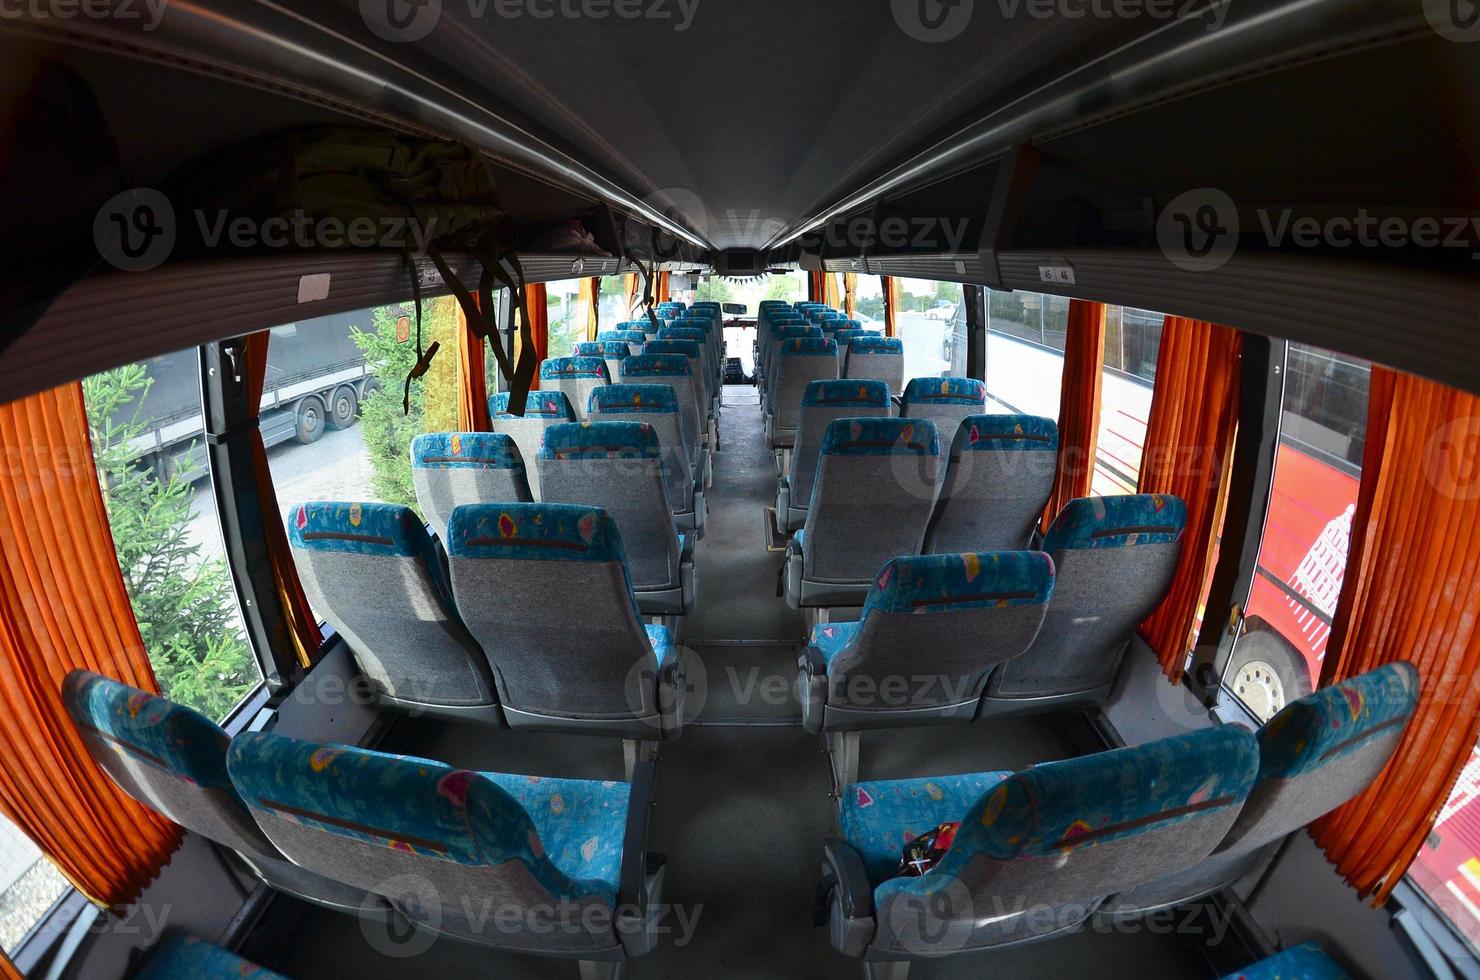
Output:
[[344, 408], [308, 419], [370, 387], [1265, 672]]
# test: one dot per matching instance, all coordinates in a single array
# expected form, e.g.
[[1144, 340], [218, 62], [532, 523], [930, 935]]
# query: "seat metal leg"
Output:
[[601, 970], [635, 750], [842, 753]]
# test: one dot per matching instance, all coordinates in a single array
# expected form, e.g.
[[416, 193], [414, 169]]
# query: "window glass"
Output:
[[740, 329], [612, 304], [926, 323], [1025, 352], [1132, 339], [567, 316], [1447, 868], [147, 429], [29, 886]]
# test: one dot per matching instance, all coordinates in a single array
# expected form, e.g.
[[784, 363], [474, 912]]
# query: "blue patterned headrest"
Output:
[[603, 348], [636, 326], [416, 806], [465, 450], [623, 336], [691, 329], [995, 433], [833, 326], [568, 368], [1116, 522], [655, 365], [950, 583], [846, 393], [1050, 810], [542, 532], [551, 404], [682, 348], [809, 347], [798, 332], [865, 342], [1336, 720], [823, 314], [634, 398], [600, 440], [390, 530], [945, 391], [848, 336], [880, 437], [149, 728]]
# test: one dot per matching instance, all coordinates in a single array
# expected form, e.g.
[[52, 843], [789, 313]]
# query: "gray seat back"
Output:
[[614, 352], [945, 401], [698, 373], [375, 575], [672, 370], [872, 356], [1115, 558], [542, 410], [799, 363], [576, 376], [453, 468], [582, 657], [822, 402], [997, 481], [876, 480], [657, 406], [787, 329], [618, 467]]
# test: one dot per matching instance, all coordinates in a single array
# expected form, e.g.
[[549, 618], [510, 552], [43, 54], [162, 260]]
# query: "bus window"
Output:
[[29, 886], [1025, 352], [1132, 339], [927, 321], [566, 312], [612, 305], [1302, 556], [148, 444]]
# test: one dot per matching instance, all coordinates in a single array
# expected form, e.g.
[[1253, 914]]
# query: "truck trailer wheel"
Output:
[[1265, 671], [308, 419], [344, 407]]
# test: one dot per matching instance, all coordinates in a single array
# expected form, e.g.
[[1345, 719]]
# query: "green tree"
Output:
[[714, 290], [388, 429], [782, 287], [185, 606]]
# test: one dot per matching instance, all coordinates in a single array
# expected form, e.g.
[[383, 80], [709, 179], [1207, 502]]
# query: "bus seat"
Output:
[[702, 333], [873, 493], [872, 355], [547, 586], [540, 865], [675, 371], [173, 760], [799, 362], [643, 326], [451, 468], [945, 401], [618, 467], [631, 337], [970, 611], [576, 376], [375, 575], [182, 957], [822, 402], [657, 406], [614, 352], [1307, 961], [699, 373], [1115, 557], [786, 331], [542, 410], [1315, 755], [1037, 850], [996, 482], [831, 327]]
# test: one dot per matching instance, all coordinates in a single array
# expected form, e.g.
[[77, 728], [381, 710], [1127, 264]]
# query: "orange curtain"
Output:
[[63, 606], [1189, 439], [1410, 593], [660, 289], [830, 289], [850, 283], [472, 378], [536, 298], [816, 288], [7, 969], [303, 625], [591, 296], [891, 305], [1079, 405]]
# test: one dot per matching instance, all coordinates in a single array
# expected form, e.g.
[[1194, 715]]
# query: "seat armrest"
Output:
[[673, 688], [851, 902], [812, 679], [632, 922]]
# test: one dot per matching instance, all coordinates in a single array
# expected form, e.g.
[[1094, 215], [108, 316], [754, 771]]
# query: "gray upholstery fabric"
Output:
[[472, 902], [1207, 876], [812, 422], [888, 368], [990, 501], [439, 489], [1100, 596], [929, 661], [793, 374], [527, 435], [1028, 897], [947, 417], [678, 475], [694, 418], [865, 511], [404, 638], [632, 491], [578, 390], [585, 656]]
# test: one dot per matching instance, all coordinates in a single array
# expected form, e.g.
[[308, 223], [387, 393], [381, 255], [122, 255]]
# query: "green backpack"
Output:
[[401, 193]]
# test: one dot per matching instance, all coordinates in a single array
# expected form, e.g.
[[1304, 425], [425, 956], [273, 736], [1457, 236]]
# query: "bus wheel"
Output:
[[309, 419], [343, 407], [1265, 671]]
